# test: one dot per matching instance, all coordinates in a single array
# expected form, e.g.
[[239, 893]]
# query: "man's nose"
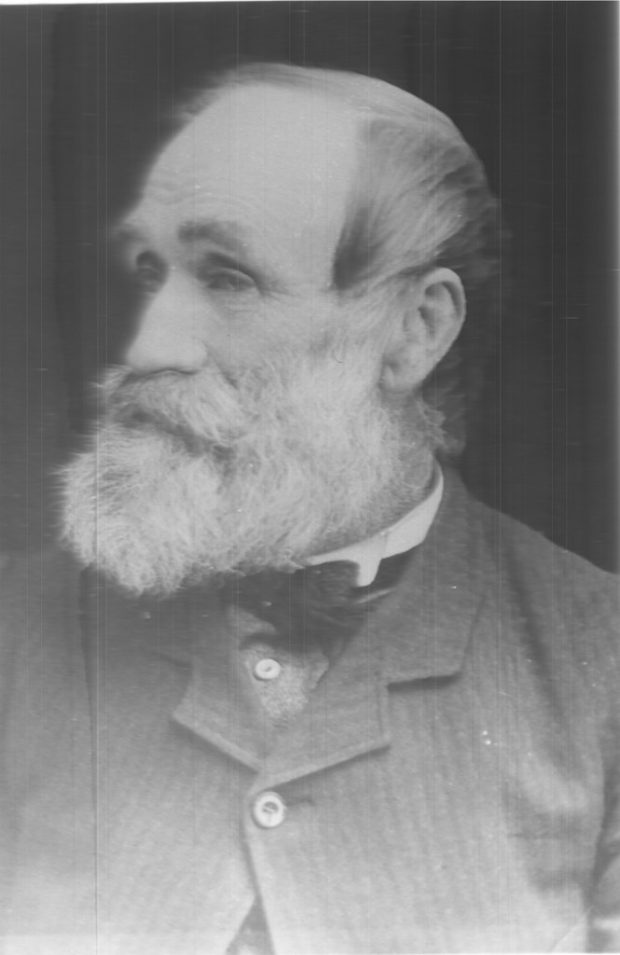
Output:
[[170, 335]]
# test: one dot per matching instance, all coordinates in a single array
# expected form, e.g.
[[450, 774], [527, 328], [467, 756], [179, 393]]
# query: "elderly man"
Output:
[[307, 696]]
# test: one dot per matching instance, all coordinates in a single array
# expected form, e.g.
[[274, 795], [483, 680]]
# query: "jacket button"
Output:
[[267, 669], [268, 810]]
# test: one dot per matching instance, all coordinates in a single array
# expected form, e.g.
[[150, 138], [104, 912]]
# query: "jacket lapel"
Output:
[[421, 631], [425, 626]]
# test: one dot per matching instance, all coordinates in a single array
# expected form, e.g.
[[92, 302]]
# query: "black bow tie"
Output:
[[316, 604]]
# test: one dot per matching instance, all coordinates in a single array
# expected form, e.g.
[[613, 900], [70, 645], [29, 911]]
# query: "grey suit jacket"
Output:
[[452, 786]]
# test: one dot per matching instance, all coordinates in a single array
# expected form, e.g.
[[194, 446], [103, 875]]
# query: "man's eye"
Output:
[[149, 271], [229, 280]]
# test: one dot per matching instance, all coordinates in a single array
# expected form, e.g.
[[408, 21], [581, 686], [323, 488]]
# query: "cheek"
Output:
[[350, 338], [275, 331]]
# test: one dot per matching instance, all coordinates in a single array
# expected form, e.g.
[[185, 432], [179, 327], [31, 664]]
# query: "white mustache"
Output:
[[204, 412]]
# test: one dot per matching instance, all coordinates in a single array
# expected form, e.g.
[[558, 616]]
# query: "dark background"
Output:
[[532, 85]]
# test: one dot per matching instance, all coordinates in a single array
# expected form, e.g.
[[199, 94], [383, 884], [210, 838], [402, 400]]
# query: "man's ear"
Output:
[[431, 315]]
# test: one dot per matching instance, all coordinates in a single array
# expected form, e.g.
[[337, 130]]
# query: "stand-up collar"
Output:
[[405, 534]]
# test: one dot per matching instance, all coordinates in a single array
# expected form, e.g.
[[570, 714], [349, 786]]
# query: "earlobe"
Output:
[[433, 311]]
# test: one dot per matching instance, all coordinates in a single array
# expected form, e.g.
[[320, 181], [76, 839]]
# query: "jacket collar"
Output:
[[423, 628]]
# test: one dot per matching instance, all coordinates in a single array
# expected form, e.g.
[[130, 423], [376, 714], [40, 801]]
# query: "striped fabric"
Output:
[[452, 784]]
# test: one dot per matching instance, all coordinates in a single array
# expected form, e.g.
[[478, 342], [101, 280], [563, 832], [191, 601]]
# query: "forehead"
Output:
[[279, 161]]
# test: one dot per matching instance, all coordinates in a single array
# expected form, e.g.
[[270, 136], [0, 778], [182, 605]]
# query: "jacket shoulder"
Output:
[[573, 606], [534, 559]]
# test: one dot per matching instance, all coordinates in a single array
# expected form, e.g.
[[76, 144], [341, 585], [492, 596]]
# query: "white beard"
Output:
[[188, 477]]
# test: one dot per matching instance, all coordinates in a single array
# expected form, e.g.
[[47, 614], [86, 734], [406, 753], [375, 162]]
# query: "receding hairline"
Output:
[[374, 105], [368, 96]]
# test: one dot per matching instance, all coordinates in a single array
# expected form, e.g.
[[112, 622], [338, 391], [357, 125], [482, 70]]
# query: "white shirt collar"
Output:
[[406, 533]]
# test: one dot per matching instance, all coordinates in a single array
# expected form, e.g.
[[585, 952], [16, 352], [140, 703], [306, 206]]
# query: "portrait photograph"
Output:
[[309, 633]]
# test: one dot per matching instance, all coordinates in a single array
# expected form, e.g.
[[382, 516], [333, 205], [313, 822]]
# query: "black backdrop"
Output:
[[83, 90]]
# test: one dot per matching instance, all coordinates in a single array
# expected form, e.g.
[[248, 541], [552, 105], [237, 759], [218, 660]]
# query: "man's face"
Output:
[[235, 234], [248, 427]]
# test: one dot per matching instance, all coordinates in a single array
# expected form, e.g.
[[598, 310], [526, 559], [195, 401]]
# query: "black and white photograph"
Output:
[[309, 631]]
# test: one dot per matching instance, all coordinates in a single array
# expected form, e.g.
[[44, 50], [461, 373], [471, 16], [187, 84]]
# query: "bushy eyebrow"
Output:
[[127, 232], [231, 241], [230, 237]]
